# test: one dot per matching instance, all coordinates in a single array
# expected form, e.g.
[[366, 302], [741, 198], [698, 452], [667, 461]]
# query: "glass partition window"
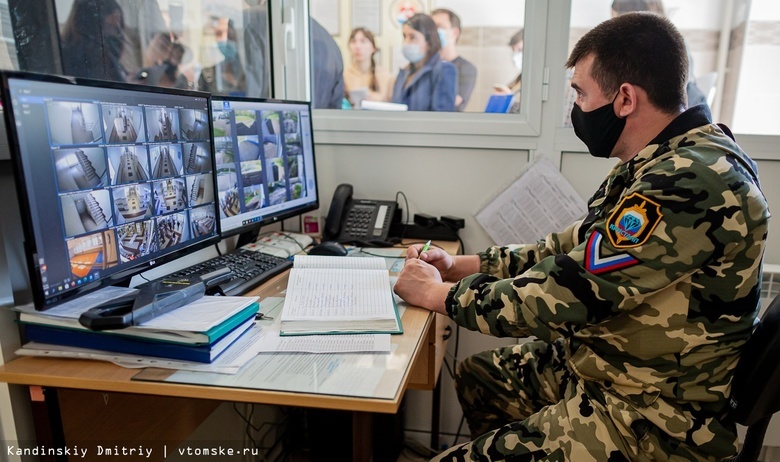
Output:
[[428, 55], [733, 48], [219, 46]]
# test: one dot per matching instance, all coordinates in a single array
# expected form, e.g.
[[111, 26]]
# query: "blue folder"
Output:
[[499, 103]]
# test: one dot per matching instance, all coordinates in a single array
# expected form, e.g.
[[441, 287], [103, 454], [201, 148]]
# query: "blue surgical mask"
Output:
[[413, 53], [228, 48], [442, 37]]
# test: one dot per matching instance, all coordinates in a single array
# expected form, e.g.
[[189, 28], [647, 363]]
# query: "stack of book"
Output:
[[198, 332]]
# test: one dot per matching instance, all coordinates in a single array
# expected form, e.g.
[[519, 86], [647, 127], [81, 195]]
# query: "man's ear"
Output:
[[456, 33], [627, 99]]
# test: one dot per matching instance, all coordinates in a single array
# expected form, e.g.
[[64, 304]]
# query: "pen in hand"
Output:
[[424, 249]]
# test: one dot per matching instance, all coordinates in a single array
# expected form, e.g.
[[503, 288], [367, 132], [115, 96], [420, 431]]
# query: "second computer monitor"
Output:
[[265, 161]]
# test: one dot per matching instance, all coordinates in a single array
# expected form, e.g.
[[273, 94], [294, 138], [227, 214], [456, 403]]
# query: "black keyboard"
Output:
[[250, 269]]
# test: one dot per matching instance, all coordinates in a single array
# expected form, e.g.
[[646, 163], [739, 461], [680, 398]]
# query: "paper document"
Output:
[[271, 342], [539, 202], [339, 294]]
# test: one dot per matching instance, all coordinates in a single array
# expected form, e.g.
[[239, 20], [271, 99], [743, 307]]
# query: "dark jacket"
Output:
[[432, 88]]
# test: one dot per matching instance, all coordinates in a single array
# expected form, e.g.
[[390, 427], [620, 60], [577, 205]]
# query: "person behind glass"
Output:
[[640, 309], [227, 76], [428, 83], [695, 95], [514, 87], [363, 78], [92, 40], [327, 69], [448, 24], [165, 71]]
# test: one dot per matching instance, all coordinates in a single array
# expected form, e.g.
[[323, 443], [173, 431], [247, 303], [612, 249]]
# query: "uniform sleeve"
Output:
[[513, 260], [445, 88], [671, 222]]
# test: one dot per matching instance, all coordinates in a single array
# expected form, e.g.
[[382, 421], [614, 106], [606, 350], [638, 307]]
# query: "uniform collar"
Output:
[[688, 120]]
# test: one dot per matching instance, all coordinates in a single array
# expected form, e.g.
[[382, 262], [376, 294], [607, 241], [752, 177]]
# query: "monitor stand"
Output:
[[248, 237]]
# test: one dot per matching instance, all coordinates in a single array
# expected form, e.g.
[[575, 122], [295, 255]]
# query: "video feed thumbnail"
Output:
[[271, 146], [73, 123], [133, 202], [290, 122], [197, 157], [254, 198], [128, 164], [170, 195], [124, 124], [295, 168], [203, 221], [227, 187], [270, 123], [221, 122], [246, 123], [277, 193], [251, 173], [166, 160], [91, 254], [162, 124], [173, 229], [276, 170], [80, 168], [194, 124], [292, 144], [201, 188], [248, 148], [136, 240], [223, 148], [86, 212]]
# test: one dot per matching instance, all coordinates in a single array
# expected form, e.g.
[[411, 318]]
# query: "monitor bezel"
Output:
[[41, 302], [253, 228]]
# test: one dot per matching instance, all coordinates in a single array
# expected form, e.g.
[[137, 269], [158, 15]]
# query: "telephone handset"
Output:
[[357, 220]]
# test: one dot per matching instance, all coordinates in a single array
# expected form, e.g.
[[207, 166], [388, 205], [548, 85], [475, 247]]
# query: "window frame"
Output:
[[435, 129]]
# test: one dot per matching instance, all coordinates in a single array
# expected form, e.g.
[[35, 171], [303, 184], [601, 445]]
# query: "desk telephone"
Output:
[[357, 220]]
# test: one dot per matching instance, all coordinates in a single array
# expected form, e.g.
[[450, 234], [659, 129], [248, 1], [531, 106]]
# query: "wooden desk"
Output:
[[88, 401]]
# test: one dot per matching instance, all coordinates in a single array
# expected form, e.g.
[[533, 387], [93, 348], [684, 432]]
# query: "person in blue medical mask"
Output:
[[227, 76], [428, 83]]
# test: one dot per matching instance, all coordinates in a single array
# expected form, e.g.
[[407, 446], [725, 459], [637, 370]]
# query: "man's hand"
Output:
[[420, 284], [440, 259]]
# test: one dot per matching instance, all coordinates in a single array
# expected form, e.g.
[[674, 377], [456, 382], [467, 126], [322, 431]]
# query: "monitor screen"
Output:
[[264, 153], [112, 178]]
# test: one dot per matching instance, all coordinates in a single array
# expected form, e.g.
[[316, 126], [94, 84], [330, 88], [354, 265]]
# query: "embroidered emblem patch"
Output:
[[596, 264], [633, 221]]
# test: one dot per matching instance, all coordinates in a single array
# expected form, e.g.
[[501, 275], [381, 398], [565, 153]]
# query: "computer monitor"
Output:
[[264, 153], [112, 179]]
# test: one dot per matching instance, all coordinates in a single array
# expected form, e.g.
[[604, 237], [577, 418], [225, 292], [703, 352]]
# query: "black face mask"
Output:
[[599, 129]]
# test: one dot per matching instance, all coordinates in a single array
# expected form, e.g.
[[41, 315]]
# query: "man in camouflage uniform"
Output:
[[640, 309]]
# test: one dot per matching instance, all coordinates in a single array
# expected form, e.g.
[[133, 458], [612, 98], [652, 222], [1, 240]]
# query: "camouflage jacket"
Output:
[[654, 291]]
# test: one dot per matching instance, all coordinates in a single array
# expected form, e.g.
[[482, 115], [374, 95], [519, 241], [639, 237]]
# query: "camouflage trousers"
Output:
[[522, 403]]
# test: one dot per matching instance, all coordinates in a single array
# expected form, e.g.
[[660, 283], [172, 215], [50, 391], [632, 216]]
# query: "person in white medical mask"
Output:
[[427, 83], [513, 87]]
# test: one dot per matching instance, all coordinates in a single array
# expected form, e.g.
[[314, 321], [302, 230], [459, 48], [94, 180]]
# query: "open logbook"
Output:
[[337, 295]]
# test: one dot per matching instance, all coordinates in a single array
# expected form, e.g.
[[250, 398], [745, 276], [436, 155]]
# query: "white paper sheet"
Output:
[[539, 202]]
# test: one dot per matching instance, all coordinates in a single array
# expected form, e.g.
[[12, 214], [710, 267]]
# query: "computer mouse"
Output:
[[331, 248]]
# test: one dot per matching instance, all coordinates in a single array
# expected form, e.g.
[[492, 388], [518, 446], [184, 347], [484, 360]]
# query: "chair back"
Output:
[[755, 392]]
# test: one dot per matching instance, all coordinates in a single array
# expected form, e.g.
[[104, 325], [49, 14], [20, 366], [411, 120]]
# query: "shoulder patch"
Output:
[[595, 263], [633, 221]]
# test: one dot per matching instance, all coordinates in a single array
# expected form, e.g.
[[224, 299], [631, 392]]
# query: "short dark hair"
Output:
[[642, 49], [424, 24], [517, 38], [454, 18]]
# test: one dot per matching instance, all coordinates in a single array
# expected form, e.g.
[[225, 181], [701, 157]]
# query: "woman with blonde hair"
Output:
[[363, 77]]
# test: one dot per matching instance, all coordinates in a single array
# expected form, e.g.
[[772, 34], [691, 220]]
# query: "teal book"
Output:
[[200, 323], [97, 340]]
